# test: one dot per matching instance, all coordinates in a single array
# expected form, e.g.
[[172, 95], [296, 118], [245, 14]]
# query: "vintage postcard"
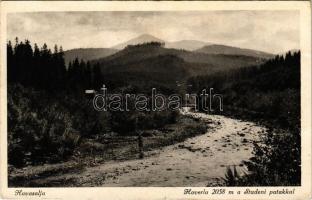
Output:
[[155, 100]]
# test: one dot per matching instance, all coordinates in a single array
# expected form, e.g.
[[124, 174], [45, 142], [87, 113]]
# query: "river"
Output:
[[198, 161]]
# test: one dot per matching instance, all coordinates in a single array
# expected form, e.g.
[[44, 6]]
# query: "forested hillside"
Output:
[[271, 89], [46, 70], [135, 53], [270, 94], [87, 54], [156, 66]]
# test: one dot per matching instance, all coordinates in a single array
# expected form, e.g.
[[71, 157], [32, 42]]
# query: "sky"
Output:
[[270, 31]]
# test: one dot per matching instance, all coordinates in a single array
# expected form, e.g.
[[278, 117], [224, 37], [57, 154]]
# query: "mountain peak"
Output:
[[144, 38], [147, 36]]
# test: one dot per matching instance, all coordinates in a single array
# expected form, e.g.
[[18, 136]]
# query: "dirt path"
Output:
[[199, 161]]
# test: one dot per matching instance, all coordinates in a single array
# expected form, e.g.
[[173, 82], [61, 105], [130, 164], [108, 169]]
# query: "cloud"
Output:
[[272, 31]]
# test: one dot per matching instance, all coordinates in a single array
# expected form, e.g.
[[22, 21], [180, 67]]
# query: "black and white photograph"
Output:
[[154, 98]]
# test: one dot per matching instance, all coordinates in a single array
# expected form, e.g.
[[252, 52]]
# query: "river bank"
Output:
[[198, 161], [103, 148]]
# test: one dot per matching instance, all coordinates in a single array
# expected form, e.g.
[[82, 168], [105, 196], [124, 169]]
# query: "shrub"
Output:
[[276, 162], [43, 129]]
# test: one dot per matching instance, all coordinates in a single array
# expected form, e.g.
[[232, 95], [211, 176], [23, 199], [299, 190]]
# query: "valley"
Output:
[[58, 139]]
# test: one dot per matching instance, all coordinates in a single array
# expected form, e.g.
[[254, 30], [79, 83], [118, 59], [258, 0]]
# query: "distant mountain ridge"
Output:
[[229, 50], [148, 62], [197, 46], [144, 51], [201, 50], [144, 61], [189, 45]]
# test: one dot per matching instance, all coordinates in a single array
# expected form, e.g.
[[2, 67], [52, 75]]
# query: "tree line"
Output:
[[265, 90], [287, 67], [41, 68]]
